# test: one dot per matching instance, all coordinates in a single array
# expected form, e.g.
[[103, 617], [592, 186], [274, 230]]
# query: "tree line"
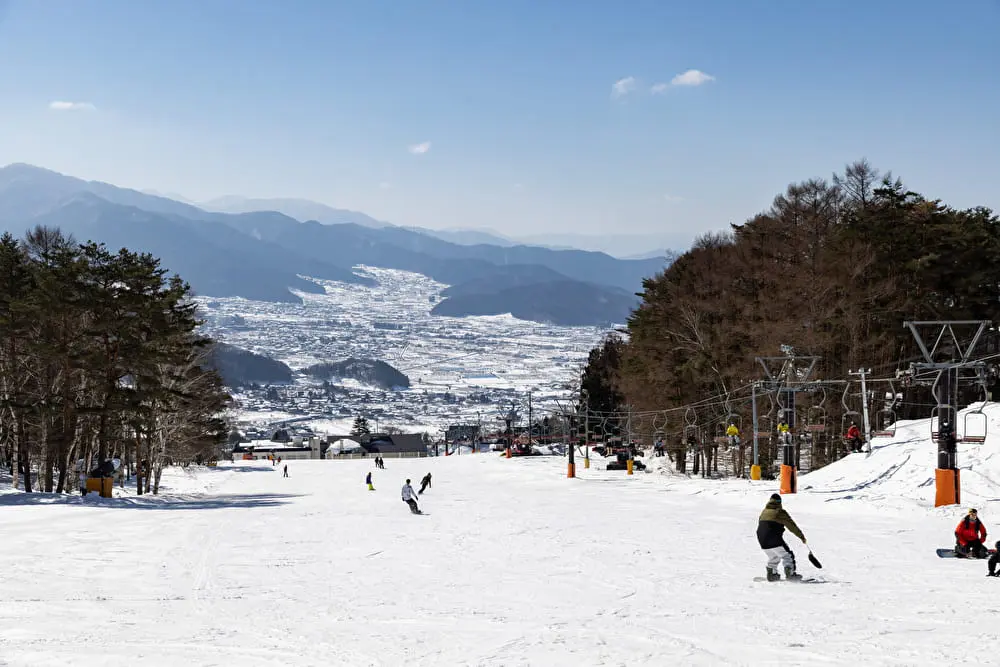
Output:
[[99, 359], [833, 267]]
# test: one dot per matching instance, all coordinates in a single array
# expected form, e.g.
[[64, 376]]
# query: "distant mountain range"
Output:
[[260, 254], [300, 209]]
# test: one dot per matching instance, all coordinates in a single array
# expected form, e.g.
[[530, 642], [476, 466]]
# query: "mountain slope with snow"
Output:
[[513, 564]]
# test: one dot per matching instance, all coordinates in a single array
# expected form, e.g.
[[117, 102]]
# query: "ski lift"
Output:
[[731, 418], [849, 415], [690, 426], [765, 423], [816, 415], [887, 416], [938, 410], [974, 425]]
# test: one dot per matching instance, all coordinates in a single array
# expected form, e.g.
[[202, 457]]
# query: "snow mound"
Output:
[[900, 469]]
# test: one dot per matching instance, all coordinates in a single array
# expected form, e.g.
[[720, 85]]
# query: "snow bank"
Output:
[[900, 470], [512, 564]]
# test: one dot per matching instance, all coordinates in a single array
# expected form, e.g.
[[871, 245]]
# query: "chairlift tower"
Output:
[[785, 375], [948, 364]]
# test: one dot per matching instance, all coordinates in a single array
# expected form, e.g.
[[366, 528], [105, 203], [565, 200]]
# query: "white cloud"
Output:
[[659, 88], [623, 87], [692, 77], [672, 199], [384, 185], [72, 106], [420, 149]]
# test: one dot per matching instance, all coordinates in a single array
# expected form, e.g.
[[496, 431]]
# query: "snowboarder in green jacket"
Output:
[[771, 536]]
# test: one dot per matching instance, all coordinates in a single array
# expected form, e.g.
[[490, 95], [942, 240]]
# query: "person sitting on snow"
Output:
[[969, 537], [771, 536]]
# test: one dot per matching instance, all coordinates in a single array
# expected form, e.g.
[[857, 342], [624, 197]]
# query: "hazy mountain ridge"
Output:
[[260, 254], [569, 303]]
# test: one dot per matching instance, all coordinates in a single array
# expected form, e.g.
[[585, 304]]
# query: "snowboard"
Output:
[[950, 553], [805, 580]]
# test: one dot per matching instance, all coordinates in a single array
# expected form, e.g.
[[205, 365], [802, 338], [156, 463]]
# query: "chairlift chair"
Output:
[[887, 416], [974, 425], [936, 412], [886, 424], [765, 426]]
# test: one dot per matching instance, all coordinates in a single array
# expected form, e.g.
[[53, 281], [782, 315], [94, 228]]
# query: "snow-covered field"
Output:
[[514, 564]]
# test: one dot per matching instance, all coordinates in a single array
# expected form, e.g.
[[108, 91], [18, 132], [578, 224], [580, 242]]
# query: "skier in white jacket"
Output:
[[410, 498]]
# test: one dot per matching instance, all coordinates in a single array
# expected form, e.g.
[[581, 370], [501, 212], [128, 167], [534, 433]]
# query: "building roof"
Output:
[[400, 442]]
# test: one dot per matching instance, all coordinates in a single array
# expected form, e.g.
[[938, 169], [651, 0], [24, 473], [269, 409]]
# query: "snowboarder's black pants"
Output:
[[413, 506], [992, 563], [422, 487], [974, 549]]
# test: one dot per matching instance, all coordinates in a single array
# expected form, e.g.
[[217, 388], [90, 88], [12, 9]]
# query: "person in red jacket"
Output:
[[969, 536], [854, 437]]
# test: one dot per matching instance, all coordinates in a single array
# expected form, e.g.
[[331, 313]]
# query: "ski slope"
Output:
[[513, 565]]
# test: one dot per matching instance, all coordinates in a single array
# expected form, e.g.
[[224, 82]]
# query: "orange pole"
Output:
[[947, 487], [788, 481], [571, 471]]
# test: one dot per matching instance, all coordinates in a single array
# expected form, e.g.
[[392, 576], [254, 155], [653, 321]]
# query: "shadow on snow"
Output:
[[228, 501]]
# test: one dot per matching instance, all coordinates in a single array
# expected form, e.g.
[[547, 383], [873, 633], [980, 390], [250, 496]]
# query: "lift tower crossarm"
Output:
[[946, 326]]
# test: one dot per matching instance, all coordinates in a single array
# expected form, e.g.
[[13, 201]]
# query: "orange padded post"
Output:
[[787, 479], [571, 472], [947, 487]]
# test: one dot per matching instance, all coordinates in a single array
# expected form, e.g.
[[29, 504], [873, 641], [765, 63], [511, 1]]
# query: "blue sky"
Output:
[[515, 99]]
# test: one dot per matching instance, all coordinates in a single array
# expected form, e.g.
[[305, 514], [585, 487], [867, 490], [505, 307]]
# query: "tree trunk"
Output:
[[15, 451], [140, 471], [25, 456]]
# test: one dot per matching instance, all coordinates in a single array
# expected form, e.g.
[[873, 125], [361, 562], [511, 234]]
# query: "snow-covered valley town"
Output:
[[462, 370]]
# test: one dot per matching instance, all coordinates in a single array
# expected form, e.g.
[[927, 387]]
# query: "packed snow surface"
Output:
[[513, 564]]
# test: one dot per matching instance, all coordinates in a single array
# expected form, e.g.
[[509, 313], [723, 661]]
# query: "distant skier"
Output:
[[771, 536], [854, 437], [969, 537], [286, 470], [410, 497], [424, 483], [733, 434], [368, 481]]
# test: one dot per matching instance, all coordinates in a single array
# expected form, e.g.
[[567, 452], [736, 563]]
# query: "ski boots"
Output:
[[790, 575], [772, 575]]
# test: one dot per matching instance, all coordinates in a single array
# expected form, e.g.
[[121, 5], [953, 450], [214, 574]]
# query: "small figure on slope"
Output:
[[771, 536], [424, 483], [854, 437], [410, 497], [969, 537], [368, 481], [286, 471]]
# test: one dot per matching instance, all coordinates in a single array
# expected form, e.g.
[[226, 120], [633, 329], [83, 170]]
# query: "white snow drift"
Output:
[[514, 564]]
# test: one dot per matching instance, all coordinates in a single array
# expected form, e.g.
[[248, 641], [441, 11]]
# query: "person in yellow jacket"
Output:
[[734, 434], [783, 434]]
